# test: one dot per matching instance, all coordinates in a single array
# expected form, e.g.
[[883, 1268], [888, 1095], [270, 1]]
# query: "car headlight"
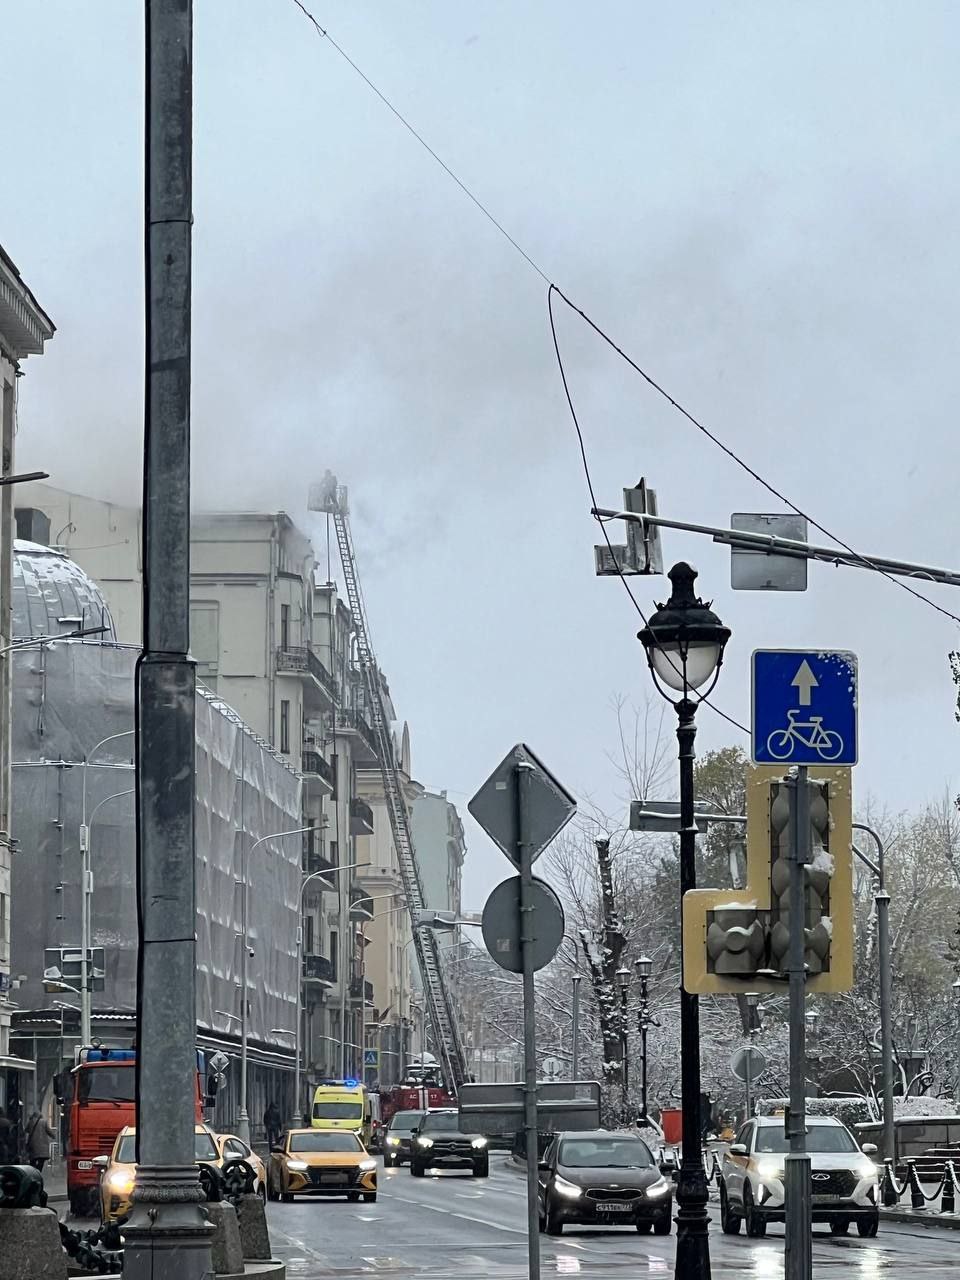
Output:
[[367, 1165], [393, 1142], [770, 1169], [424, 1142], [479, 1142], [120, 1181], [865, 1169], [568, 1189], [657, 1189], [297, 1165]]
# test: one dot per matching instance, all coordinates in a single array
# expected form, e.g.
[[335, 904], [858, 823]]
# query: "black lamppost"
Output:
[[644, 1022], [623, 978], [684, 642]]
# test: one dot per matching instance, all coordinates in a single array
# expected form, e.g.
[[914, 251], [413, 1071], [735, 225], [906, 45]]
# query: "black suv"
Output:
[[438, 1142]]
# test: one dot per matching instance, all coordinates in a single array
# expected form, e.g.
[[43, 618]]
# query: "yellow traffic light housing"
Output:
[[735, 940]]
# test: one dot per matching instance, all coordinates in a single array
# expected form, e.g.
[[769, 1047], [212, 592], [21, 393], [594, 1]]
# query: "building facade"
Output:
[[75, 826], [24, 329], [278, 646]]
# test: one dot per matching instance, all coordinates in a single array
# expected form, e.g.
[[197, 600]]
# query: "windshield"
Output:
[[338, 1111], [324, 1142], [203, 1148], [441, 1122], [107, 1084], [820, 1137], [406, 1120], [605, 1153]]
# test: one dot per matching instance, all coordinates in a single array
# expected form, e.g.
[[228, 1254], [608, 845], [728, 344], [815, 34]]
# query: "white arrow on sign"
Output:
[[805, 680]]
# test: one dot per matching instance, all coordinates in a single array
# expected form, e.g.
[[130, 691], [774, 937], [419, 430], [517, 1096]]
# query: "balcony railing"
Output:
[[314, 862], [319, 969], [361, 905], [361, 988], [303, 659], [314, 763], [352, 719], [361, 818]]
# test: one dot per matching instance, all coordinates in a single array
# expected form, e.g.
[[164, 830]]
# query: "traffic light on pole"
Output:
[[737, 939]]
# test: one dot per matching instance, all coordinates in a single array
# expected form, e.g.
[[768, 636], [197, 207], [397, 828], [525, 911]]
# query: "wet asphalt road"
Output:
[[453, 1227]]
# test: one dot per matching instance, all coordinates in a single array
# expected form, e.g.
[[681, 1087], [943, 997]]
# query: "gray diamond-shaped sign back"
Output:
[[549, 805]]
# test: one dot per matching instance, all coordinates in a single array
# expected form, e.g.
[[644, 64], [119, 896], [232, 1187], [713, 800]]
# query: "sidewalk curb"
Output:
[[921, 1218]]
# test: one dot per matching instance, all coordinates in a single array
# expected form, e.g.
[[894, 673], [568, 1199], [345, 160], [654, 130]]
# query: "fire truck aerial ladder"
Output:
[[330, 498]]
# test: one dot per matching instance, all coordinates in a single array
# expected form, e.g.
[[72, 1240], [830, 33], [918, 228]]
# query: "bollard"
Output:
[[254, 1237], [226, 1251], [30, 1245], [916, 1191], [890, 1194], [948, 1201]]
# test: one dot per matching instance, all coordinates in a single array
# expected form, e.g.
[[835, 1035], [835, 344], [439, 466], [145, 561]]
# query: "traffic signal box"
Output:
[[736, 940]]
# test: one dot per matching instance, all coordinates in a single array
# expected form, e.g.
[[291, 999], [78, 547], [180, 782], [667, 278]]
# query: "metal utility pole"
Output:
[[798, 1254], [524, 860], [168, 1236], [575, 1013]]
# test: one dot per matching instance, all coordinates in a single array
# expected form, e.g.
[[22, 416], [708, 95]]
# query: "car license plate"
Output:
[[615, 1208], [84, 1164], [333, 1178]]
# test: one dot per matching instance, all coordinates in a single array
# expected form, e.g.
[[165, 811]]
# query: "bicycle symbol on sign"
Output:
[[827, 744]]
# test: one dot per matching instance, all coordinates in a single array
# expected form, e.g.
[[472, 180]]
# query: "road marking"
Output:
[[467, 1217]]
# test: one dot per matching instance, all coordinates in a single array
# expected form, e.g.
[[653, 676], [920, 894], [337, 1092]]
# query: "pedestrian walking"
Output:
[[272, 1125], [38, 1139]]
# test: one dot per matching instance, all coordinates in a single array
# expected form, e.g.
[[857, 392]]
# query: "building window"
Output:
[[205, 640], [310, 836], [285, 726], [334, 853], [334, 951], [284, 626], [309, 936]]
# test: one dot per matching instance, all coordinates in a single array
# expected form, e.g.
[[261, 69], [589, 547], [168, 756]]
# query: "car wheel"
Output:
[[868, 1227], [482, 1170], [286, 1197], [839, 1226], [369, 1197], [661, 1226], [729, 1221], [389, 1162], [755, 1225], [644, 1225], [554, 1225], [416, 1169], [76, 1201]]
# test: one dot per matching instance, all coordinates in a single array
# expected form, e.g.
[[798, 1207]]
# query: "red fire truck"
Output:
[[102, 1101]]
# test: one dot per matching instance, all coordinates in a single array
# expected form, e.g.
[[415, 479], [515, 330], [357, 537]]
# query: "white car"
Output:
[[845, 1184]]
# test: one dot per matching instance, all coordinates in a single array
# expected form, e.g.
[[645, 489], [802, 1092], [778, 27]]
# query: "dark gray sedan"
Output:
[[599, 1178]]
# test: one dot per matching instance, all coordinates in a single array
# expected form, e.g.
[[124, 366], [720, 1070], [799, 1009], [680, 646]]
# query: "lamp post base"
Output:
[[168, 1236], [693, 1244], [243, 1126]]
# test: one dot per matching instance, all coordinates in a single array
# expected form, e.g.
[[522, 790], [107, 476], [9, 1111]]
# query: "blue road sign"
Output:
[[804, 707]]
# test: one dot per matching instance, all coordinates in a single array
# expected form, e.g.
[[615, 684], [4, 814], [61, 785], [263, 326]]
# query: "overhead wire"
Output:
[[552, 288]]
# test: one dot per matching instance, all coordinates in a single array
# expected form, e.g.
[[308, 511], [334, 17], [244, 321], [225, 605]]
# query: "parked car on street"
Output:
[[602, 1178], [845, 1182]]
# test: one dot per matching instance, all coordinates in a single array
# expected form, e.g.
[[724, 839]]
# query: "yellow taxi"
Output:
[[321, 1162], [119, 1168], [231, 1147]]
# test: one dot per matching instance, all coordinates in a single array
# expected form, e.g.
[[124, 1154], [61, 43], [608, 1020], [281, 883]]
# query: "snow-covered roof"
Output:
[[49, 586]]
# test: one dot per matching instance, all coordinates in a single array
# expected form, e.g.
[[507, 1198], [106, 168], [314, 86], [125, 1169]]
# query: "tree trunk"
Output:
[[603, 961]]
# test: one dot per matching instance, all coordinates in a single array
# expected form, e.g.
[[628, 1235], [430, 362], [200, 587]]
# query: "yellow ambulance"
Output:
[[345, 1105]]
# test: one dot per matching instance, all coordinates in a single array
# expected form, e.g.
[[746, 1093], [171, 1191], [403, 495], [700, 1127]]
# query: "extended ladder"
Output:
[[442, 1019]]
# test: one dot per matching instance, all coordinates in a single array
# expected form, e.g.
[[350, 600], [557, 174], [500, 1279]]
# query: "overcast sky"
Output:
[[757, 200]]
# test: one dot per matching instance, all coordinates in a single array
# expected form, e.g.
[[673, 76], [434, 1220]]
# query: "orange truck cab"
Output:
[[102, 1102]]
